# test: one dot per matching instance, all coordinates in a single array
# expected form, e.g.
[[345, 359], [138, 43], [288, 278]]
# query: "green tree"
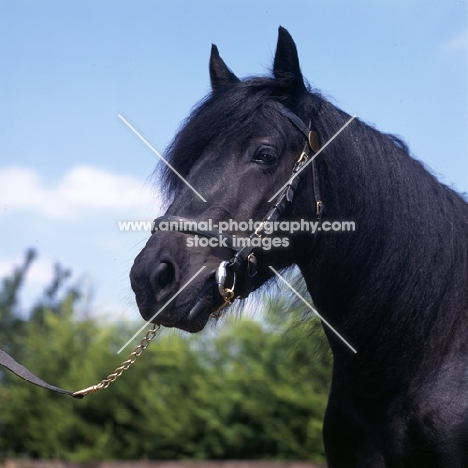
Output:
[[10, 313]]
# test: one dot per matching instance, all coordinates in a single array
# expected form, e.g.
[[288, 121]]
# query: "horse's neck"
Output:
[[386, 285]]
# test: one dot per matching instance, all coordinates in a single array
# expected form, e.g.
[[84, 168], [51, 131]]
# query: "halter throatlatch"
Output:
[[244, 258]]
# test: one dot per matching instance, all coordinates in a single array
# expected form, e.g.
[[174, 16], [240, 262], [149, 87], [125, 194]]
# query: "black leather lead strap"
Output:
[[9, 363]]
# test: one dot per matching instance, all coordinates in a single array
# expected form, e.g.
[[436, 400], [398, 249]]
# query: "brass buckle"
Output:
[[319, 208], [302, 158], [259, 228]]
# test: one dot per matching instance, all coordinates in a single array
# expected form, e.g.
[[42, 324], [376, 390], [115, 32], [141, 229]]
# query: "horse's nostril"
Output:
[[163, 276]]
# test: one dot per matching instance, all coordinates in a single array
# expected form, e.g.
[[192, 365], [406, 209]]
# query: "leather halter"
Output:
[[245, 257]]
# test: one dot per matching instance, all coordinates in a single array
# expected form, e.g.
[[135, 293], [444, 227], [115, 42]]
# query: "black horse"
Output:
[[396, 287]]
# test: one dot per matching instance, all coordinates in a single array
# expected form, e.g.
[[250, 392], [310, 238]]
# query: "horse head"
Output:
[[230, 163]]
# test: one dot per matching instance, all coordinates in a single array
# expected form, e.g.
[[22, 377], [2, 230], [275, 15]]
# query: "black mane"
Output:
[[403, 280]]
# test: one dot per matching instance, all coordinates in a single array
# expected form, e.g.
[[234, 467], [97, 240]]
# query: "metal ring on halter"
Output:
[[221, 276]]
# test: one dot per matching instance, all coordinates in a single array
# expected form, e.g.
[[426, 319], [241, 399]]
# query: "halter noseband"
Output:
[[245, 256]]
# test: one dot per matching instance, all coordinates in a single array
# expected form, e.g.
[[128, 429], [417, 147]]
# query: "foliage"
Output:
[[250, 392]]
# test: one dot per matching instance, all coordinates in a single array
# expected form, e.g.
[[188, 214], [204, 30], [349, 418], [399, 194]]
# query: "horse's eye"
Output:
[[265, 156]]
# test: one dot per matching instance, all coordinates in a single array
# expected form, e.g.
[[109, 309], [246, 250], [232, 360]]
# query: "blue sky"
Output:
[[70, 169]]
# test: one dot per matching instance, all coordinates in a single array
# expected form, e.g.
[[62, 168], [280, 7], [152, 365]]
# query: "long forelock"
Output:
[[219, 117]]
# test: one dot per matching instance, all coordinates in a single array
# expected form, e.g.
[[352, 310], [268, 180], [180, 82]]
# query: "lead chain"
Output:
[[228, 298], [133, 356]]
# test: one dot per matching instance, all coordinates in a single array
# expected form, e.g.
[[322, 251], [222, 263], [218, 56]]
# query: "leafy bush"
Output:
[[256, 390]]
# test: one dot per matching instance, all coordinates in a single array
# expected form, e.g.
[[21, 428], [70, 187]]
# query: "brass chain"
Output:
[[228, 298], [132, 357]]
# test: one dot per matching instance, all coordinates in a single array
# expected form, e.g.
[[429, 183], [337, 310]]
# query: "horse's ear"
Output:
[[286, 67], [220, 75]]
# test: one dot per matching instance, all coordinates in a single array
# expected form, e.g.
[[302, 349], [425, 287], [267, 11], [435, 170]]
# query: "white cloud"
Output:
[[455, 44], [7, 266], [82, 188], [39, 276]]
